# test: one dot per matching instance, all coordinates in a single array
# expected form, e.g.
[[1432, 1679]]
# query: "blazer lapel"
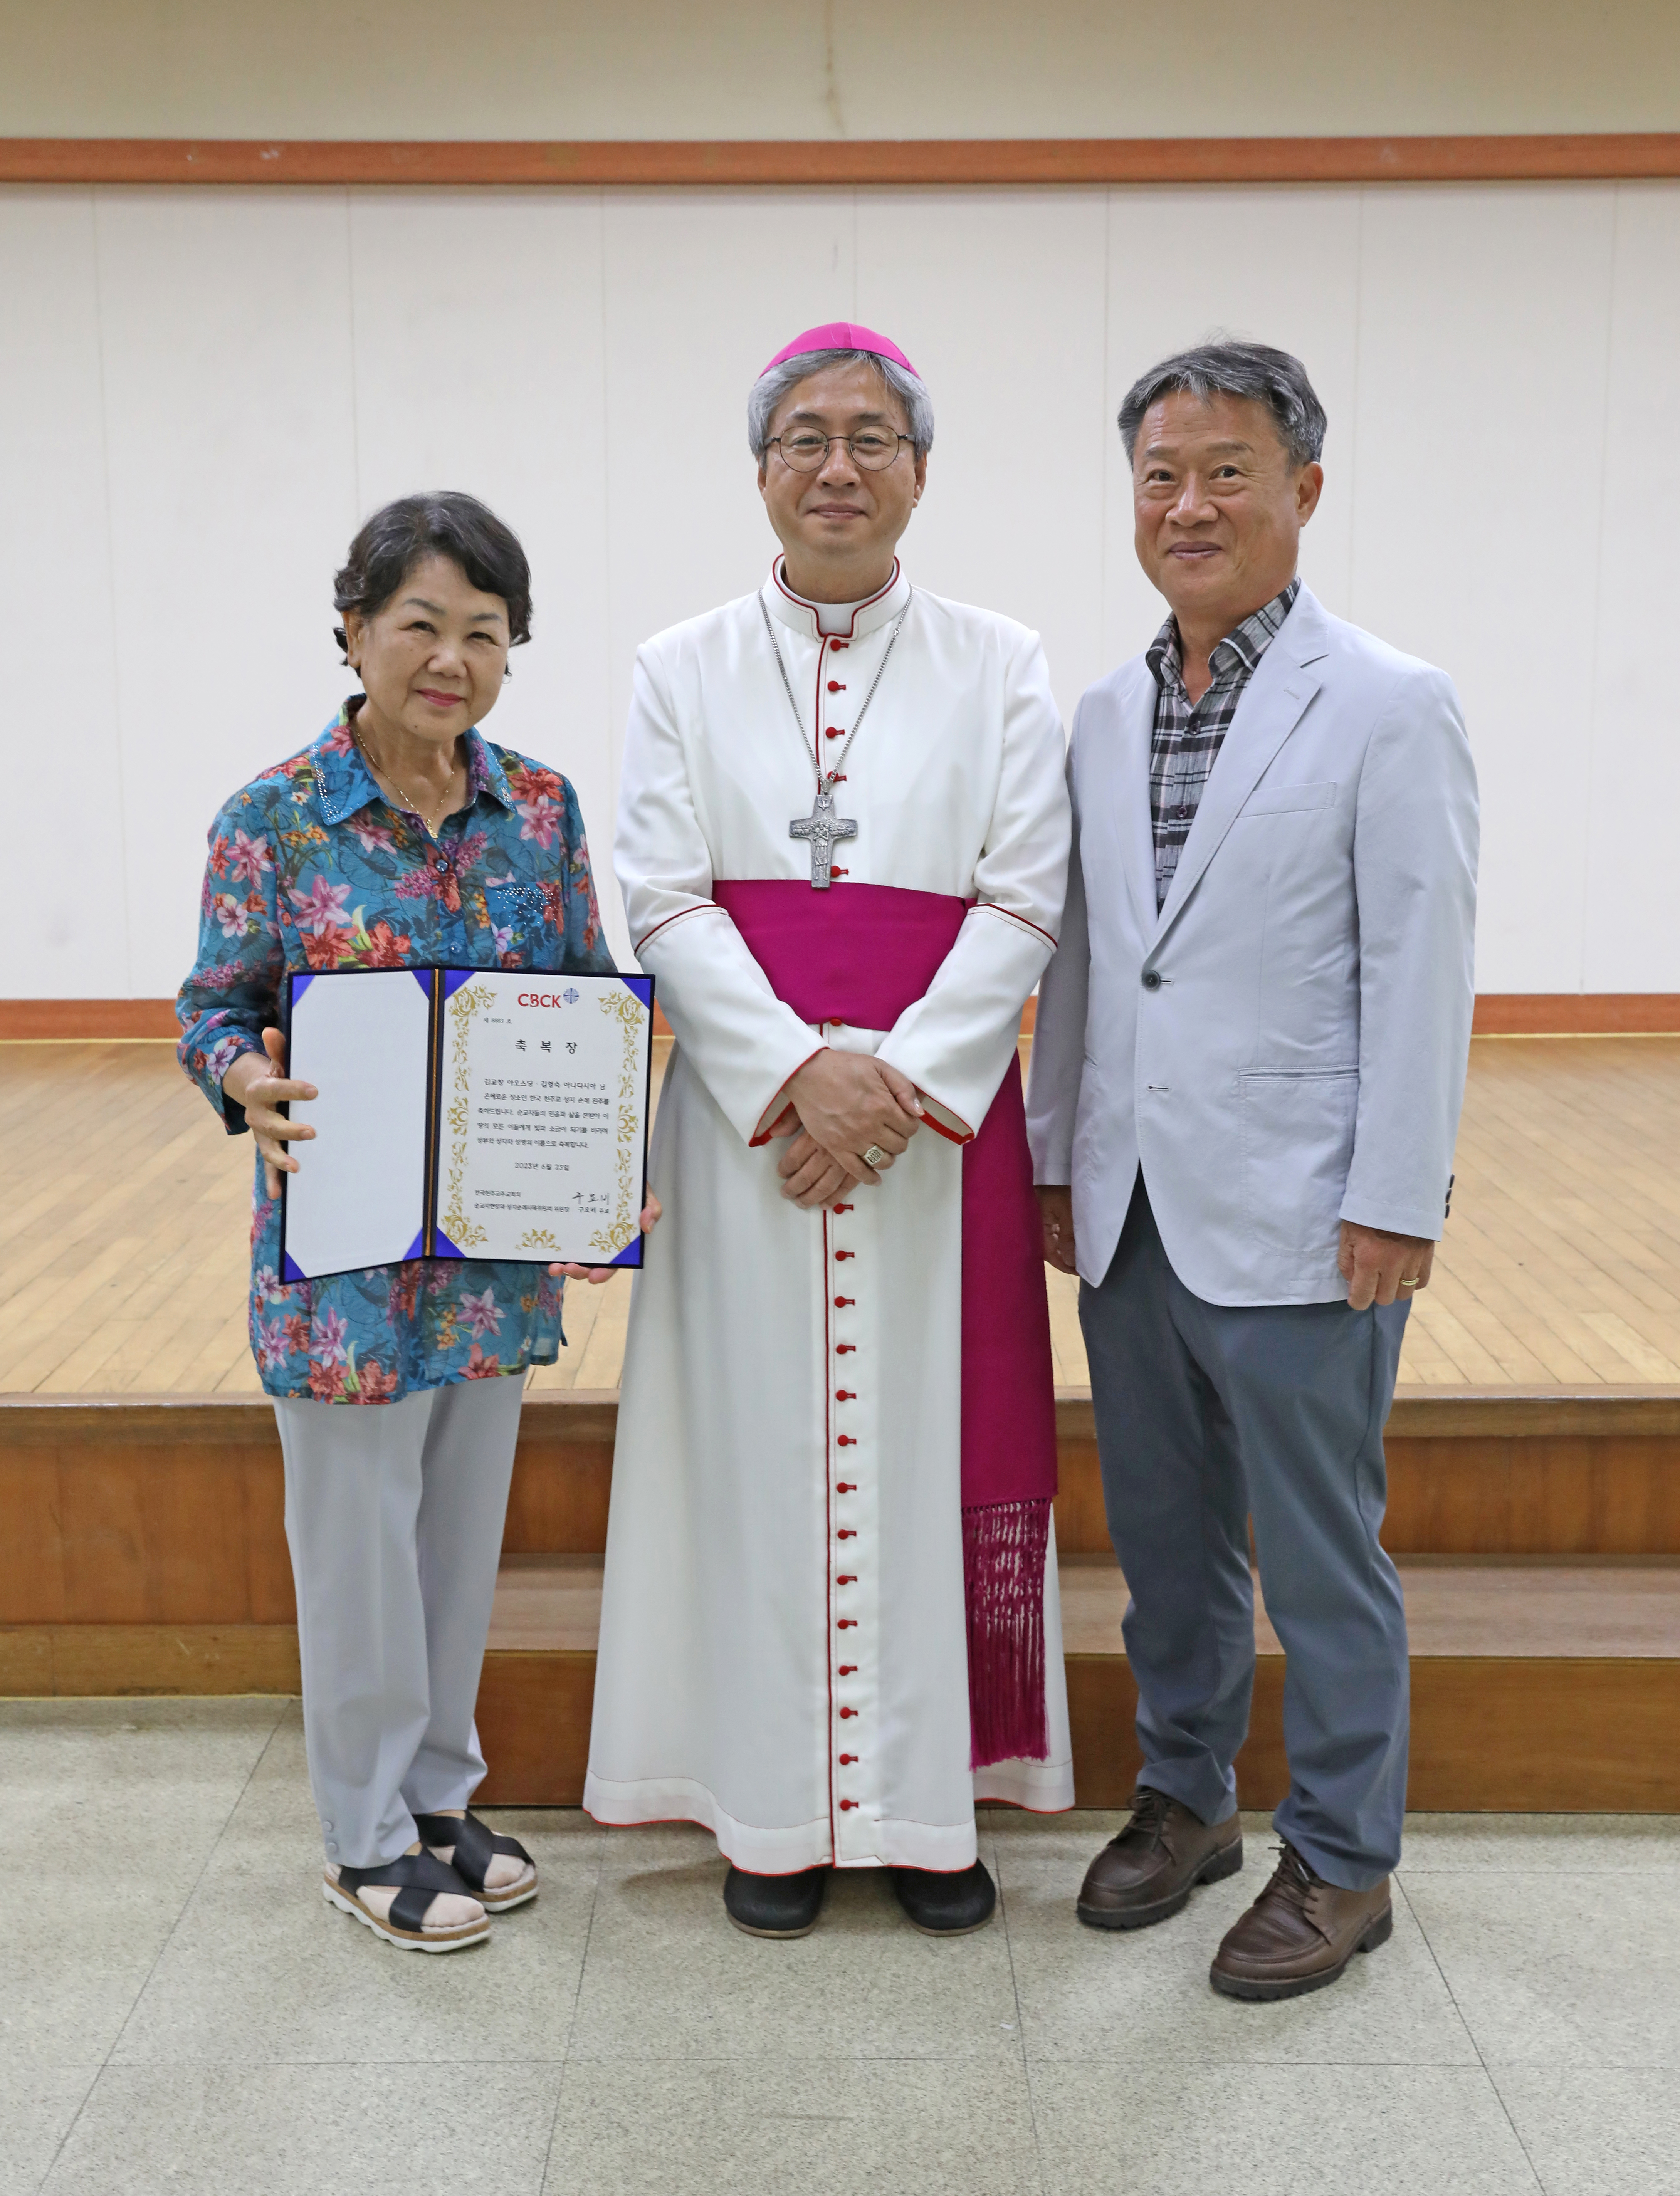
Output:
[[1131, 813], [1273, 703]]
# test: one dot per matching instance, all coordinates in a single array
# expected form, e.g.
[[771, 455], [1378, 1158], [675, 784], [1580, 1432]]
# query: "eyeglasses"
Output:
[[873, 448]]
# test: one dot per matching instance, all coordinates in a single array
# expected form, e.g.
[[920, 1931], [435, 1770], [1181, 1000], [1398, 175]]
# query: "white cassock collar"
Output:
[[800, 617]]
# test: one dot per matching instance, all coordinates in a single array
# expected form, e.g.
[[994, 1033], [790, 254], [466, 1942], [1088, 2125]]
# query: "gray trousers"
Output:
[[394, 1517], [1208, 1414]]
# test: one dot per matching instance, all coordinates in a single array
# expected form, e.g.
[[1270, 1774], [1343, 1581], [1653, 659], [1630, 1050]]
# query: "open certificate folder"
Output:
[[467, 1114]]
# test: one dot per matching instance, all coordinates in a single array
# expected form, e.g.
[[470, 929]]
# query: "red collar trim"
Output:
[[799, 601]]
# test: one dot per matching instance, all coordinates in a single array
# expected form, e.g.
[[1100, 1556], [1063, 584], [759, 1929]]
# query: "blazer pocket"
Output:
[[1288, 799], [1297, 1149]]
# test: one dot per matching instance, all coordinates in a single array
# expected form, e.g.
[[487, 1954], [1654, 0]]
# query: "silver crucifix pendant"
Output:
[[822, 827]]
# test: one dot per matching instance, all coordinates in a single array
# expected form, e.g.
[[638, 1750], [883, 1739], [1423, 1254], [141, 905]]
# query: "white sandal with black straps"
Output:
[[469, 1846]]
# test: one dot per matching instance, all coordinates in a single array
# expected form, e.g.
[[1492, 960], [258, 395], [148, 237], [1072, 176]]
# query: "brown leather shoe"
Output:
[[1299, 1934], [1149, 1871]]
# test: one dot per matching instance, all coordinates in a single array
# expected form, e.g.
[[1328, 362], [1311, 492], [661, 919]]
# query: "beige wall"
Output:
[[820, 68]]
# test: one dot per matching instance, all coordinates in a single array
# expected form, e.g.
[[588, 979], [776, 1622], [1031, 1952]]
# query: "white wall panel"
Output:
[[1012, 518], [66, 892], [1483, 342], [1280, 267], [479, 338], [229, 413], [202, 392], [1633, 857]]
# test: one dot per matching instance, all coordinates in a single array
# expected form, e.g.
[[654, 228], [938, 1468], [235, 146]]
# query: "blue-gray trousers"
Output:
[[1208, 1414]]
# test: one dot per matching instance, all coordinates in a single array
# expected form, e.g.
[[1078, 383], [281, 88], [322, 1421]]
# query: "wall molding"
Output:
[[769, 163], [1577, 1013], [1498, 1013]]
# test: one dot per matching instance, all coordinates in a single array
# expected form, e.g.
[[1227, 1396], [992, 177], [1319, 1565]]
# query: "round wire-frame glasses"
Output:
[[873, 448]]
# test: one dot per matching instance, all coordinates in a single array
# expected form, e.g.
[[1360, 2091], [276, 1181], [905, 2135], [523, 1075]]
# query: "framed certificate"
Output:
[[467, 1114]]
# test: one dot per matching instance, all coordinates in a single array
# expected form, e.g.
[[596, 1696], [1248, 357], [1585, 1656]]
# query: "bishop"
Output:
[[830, 1622]]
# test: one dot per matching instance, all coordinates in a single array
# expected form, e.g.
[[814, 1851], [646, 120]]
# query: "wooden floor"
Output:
[[124, 1219]]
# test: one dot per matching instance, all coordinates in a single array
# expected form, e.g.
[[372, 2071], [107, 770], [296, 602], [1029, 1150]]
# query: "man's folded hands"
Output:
[[849, 1117]]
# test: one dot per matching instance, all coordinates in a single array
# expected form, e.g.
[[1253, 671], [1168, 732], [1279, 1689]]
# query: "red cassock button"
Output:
[[845, 1394], [844, 1535], [848, 1669], [846, 1579], [842, 1348], [840, 1302], [847, 1623], [848, 1803], [843, 1254], [846, 1760], [847, 1713], [835, 687], [847, 1440], [843, 1208], [845, 1487], [836, 731]]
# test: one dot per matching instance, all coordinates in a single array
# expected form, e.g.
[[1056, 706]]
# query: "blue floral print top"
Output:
[[311, 868]]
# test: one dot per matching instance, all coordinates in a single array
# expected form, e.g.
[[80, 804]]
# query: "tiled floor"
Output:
[[180, 2011]]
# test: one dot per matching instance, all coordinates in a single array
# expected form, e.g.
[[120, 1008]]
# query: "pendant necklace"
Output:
[[408, 799], [822, 827]]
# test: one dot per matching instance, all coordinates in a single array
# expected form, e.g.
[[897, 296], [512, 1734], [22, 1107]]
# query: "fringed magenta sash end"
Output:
[[1004, 1545]]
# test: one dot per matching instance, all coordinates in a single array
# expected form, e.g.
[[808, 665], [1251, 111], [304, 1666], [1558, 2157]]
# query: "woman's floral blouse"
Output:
[[311, 867]]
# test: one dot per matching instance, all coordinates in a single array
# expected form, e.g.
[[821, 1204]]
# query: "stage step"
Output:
[[1544, 1685], [144, 1554]]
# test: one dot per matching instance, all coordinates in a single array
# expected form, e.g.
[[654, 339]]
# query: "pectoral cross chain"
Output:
[[824, 829]]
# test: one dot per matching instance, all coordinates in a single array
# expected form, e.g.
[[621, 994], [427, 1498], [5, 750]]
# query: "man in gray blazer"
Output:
[[1247, 1073]]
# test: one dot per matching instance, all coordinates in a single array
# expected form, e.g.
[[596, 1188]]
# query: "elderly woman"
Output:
[[400, 838]]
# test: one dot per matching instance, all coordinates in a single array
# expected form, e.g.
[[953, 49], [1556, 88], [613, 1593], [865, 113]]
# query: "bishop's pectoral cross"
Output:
[[823, 828]]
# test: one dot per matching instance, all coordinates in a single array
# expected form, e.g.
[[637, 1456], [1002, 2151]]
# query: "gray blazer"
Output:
[[1284, 1046]]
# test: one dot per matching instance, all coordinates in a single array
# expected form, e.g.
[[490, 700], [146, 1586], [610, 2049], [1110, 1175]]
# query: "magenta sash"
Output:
[[862, 954]]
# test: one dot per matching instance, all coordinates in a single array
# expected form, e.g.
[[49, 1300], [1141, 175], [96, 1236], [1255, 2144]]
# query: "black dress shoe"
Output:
[[947, 1902], [775, 1905]]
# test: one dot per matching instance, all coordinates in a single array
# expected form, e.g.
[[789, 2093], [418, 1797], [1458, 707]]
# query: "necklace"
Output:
[[406, 798], [822, 827]]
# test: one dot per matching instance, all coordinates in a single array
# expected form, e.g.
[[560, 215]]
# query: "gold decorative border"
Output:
[[631, 1014], [466, 1234]]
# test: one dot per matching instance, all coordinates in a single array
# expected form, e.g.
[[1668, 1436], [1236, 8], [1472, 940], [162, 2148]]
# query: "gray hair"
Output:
[[1224, 368], [768, 390]]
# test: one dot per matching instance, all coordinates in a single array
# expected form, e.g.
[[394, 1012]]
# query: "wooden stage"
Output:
[[124, 1264], [1534, 1447]]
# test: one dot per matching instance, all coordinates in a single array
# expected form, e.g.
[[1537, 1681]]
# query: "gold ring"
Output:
[[875, 1158], [1408, 1285]]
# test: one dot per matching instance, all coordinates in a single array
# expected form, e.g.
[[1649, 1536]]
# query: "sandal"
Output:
[[469, 1846], [417, 1878]]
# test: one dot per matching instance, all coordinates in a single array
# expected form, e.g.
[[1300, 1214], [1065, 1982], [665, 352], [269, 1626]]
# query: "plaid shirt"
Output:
[[1187, 740]]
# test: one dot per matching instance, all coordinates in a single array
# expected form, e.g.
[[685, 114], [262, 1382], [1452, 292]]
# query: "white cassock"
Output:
[[782, 1652]]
